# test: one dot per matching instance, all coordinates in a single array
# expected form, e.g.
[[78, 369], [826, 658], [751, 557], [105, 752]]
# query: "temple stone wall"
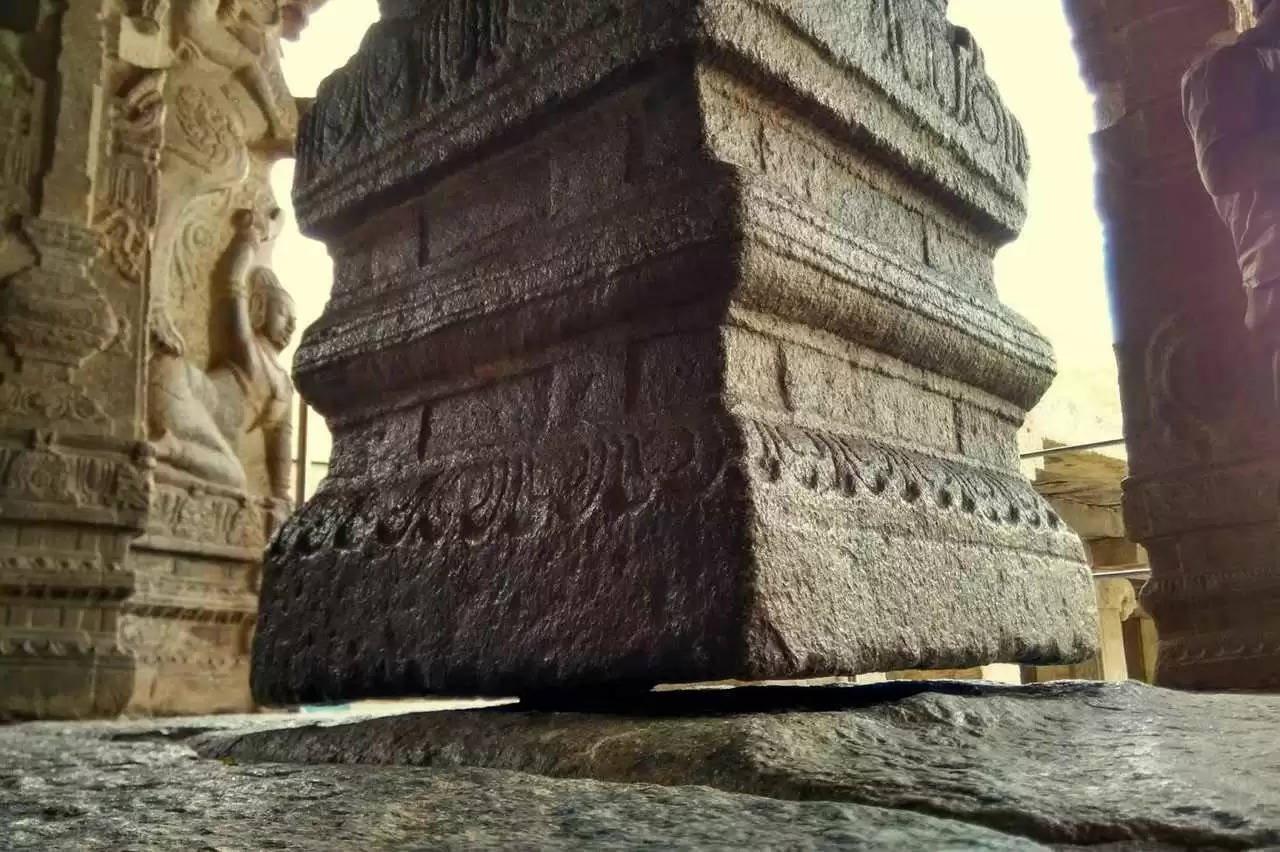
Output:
[[144, 418], [1204, 448]]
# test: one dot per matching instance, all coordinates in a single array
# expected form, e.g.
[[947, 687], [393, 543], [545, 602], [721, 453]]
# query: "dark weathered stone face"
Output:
[[663, 346]]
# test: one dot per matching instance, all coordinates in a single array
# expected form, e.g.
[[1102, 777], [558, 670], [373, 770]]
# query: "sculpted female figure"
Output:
[[198, 419]]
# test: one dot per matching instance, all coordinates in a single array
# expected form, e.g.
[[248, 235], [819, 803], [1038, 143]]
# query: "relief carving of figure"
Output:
[[14, 78], [198, 419], [227, 118], [225, 33], [1231, 99]]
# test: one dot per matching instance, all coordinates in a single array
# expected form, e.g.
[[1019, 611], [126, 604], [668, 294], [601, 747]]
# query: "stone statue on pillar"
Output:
[[199, 417], [1231, 99]]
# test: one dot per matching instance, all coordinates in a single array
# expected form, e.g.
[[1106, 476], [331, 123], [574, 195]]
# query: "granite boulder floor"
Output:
[[905, 765]]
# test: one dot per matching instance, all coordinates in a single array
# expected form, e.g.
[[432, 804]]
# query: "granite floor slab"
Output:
[[1062, 764], [140, 786]]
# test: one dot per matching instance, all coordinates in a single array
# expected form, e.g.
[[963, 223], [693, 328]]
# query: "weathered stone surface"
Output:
[[139, 786], [1067, 763], [663, 346], [145, 442]]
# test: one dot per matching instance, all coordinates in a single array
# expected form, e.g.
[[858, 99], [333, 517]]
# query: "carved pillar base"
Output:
[[59, 674], [672, 370], [59, 650]]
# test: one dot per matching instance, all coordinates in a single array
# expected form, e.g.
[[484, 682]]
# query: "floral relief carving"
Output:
[[597, 479], [50, 403], [609, 476], [196, 514], [46, 475], [162, 640], [209, 139], [827, 462]]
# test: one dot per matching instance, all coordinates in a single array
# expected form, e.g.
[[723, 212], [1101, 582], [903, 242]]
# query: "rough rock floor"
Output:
[[921, 767]]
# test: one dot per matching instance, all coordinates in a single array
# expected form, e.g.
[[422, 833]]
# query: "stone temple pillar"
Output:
[[141, 423], [1204, 438], [663, 347]]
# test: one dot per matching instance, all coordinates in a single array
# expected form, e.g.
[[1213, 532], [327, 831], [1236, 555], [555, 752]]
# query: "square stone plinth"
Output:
[[663, 346], [679, 549]]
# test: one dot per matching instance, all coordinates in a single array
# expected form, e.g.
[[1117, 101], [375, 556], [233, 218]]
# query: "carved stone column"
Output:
[[1116, 604], [128, 580], [1204, 439], [663, 346]]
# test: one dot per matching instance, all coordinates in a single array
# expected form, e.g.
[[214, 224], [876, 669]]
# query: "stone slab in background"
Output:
[[1067, 763], [137, 786]]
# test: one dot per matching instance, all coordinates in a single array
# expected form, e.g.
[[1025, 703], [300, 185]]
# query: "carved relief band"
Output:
[[617, 509]]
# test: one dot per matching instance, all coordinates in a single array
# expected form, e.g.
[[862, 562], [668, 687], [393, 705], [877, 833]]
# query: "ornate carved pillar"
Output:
[[1204, 438], [130, 134], [664, 346]]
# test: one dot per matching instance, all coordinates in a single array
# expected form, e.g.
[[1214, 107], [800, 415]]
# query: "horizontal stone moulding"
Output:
[[708, 247], [701, 548], [447, 78]]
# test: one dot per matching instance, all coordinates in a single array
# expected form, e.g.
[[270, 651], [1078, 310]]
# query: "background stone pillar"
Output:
[[128, 577], [1203, 435]]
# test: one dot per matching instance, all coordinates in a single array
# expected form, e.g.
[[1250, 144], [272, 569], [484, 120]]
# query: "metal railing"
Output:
[[1074, 448]]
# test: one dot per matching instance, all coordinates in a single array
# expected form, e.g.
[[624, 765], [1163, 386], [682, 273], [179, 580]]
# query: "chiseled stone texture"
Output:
[[139, 786], [663, 347], [1066, 764]]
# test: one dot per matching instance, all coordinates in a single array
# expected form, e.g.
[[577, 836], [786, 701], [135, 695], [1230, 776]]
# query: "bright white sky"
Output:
[[1053, 275]]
